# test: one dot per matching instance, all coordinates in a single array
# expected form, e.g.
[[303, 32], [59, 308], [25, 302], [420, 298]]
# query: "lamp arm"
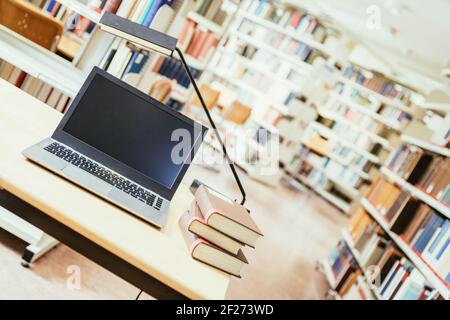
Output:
[[213, 125]]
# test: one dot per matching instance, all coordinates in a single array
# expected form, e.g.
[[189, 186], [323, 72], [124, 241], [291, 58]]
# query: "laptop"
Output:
[[122, 145]]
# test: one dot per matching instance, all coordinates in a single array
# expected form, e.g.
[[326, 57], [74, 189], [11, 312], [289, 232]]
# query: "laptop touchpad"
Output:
[[86, 179]]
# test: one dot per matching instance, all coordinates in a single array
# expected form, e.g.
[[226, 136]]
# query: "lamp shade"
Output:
[[138, 34]]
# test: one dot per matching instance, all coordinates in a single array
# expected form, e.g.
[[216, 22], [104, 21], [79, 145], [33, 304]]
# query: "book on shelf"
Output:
[[378, 84], [196, 41], [430, 173], [34, 87], [173, 69], [425, 230], [395, 277], [294, 20], [210, 254], [135, 66], [382, 195], [211, 10]]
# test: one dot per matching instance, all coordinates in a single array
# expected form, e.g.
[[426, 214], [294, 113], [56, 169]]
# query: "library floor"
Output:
[[299, 228]]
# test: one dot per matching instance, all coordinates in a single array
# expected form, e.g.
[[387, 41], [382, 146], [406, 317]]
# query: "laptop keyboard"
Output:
[[105, 174]]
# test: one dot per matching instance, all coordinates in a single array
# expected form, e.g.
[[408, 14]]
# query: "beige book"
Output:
[[198, 226], [210, 254], [227, 216]]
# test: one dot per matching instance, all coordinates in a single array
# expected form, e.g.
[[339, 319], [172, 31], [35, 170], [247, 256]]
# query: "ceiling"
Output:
[[412, 38]]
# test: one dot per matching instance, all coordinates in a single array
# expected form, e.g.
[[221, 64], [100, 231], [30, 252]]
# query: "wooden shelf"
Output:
[[426, 145], [336, 117], [374, 115], [286, 57], [40, 62], [378, 96], [349, 241], [426, 271], [82, 9], [416, 192], [206, 23], [306, 39], [330, 134]]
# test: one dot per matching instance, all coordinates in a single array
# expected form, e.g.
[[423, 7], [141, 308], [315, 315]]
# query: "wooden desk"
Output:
[[154, 260]]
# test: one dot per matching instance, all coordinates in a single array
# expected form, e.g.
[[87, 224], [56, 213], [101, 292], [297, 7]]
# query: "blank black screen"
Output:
[[128, 128]]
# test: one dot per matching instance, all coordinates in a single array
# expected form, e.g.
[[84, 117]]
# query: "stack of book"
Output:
[[428, 172], [216, 229], [196, 41], [35, 87]]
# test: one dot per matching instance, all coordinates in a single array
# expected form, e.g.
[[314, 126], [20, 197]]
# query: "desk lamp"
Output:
[[162, 43]]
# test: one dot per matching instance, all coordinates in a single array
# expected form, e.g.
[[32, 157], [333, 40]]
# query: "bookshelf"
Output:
[[349, 241], [365, 115], [353, 192], [264, 87], [283, 109], [281, 55], [377, 95], [82, 9], [39, 62], [330, 134], [203, 21], [444, 107], [336, 117], [359, 108], [426, 145], [273, 26], [329, 276], [416, 192], [423, 267], [338, 203]]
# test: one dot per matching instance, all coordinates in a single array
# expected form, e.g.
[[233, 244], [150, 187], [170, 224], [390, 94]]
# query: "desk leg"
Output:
[[35, 250]]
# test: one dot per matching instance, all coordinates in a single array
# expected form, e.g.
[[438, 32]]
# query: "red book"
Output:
[[211, 41], [55, 9], [188, 24], [20, 79], [295, 20], [194, 41], [112, 5]]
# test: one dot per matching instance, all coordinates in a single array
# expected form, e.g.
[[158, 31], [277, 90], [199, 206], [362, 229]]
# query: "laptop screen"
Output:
[[126, 127]]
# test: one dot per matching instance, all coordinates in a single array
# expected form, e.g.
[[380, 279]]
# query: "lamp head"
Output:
[[138, 34]]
